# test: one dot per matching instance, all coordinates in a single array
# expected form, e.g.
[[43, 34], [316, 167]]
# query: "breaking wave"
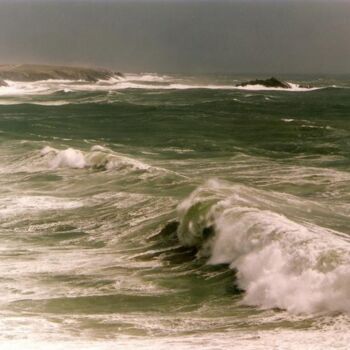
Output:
[[149, 77], [281, 262], [98, 157]]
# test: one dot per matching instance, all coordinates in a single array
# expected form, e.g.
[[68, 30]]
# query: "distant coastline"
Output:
[[33, 72]]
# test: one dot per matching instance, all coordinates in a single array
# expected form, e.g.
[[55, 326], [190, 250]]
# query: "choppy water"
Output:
[[96, 177]]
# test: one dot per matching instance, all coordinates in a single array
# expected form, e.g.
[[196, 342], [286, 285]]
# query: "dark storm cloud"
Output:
[[185, 36]]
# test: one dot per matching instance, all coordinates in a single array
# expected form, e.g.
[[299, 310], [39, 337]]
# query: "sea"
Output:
[[157, 211]]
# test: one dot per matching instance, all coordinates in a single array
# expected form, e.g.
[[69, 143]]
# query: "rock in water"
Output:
[[33, 72], [271, 83], [3, 83]]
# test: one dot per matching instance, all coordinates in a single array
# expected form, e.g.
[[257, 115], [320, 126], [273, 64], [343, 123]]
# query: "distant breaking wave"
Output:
[[98, 157], [293, 88], [280, 263], [129, 81]]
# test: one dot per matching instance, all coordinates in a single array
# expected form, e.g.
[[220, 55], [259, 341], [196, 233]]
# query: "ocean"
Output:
[[152, 210]]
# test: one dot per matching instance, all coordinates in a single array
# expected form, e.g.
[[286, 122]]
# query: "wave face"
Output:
[[144, 210], [280, 263]]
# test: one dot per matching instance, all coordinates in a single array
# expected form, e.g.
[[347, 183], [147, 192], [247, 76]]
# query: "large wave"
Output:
[[281, 262]]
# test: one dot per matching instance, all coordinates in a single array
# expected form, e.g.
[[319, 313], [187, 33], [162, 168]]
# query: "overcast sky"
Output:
[[256, 36]]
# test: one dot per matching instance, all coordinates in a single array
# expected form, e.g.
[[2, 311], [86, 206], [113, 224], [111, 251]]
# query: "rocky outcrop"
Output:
[[32, 72], [271, 83], [3, 83]]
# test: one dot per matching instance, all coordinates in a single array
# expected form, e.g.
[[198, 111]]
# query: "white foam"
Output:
[[69, 158], [19, 205], [99, 148], [237, 339], [51, 103], [281, 263], [147, 77], [47, 149]]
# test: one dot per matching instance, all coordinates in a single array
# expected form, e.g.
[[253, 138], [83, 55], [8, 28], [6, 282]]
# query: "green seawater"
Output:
[[156, 211]]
